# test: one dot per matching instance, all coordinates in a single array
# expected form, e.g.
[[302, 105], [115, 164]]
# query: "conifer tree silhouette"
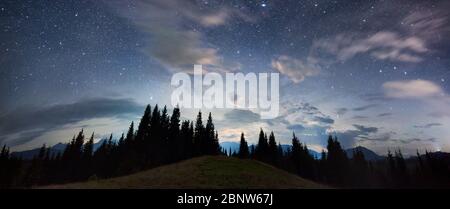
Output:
[[243, 148]]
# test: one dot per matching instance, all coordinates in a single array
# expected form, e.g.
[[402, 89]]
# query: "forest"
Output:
[[161, 139]]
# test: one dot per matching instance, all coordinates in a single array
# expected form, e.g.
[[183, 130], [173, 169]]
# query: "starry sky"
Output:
[[373, 73]]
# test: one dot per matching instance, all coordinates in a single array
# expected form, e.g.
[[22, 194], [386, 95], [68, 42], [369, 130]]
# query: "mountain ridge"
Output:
[[55, 149], [368, 154]]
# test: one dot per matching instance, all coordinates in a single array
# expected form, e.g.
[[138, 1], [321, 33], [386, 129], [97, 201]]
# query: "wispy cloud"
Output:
[[365, 129], [326, 120], [241, 116], [383, 45], [412, 89], [23, 125], [384, 114], [349, 137], [341, 111], [171, 38], [408, 40], [365, 107], [428, 125], [413, 140], [297, 70]]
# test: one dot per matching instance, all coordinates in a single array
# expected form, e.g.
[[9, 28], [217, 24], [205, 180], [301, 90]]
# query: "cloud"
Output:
[[241, 116], [412, 89], [429, 92], [230, 134], [365, 129], [362, 108], [179, 50], [412, 140], [370, 97], [428, 125], [408, 38], [307, 114], [326, 120], [349, 137], [440, 114], [297, 70], [383, 137], [384, 114], [171, 40], [305, 108], [27, 123], [296, 128], [360, 117], [220, 17], [341, 111], [430, 26], [383, 45]]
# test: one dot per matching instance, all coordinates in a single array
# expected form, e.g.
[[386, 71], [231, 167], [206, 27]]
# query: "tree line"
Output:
[[337, 169], [160, 139]]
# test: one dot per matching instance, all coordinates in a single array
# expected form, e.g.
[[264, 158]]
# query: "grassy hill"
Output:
[[204, 172]]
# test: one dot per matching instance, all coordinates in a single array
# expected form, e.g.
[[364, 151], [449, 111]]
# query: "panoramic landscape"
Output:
[[211, 94]]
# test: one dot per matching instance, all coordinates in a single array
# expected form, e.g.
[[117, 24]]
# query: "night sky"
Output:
[[374, 73]]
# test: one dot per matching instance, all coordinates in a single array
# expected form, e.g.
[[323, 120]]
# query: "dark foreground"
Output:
[[203, 172]]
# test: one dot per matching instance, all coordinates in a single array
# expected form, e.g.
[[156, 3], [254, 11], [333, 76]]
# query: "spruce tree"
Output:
[[243, 148], [174, 139], [199, 133], [272, 149], [262, 147]]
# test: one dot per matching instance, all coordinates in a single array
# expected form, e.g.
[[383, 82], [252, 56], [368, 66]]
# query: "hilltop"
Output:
[[204, 172]]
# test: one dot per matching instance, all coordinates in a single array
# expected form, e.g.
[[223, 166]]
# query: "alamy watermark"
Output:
[[210, 90]]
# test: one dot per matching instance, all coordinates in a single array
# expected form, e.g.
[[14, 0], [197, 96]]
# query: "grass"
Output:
[[203, 172]]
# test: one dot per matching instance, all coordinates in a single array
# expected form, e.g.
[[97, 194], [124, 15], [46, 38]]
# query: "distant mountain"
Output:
[[29, 154], [98, 144], [234, 147], [230, 146], [368, 154], [57, 148]]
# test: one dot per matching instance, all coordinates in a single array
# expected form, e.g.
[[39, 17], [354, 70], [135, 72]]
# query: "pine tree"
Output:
[[163, 141], [144, 125], [243, 148], [88, 148], [210, 144], [142, 137], [88, 151], [153, 145], [185, 147], [174, 136], [199, 133], [262, 147], [130, 134], [216, 144], [296, 154], [272, 149], [337, 162]]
